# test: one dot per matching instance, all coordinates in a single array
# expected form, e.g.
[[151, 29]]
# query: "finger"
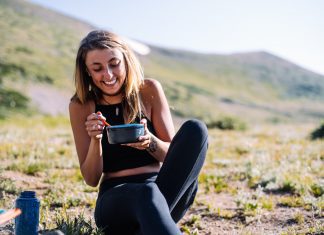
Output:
[[143, 138], [91, 127], [100, 116], [145, 144], [144, 122], [92, 116], [133, 145], [96, 134], [93, 122], [139, 147], [99, 136], [97, 127]]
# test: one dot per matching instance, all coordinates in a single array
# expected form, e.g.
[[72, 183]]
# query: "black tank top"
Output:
[[117, 157]]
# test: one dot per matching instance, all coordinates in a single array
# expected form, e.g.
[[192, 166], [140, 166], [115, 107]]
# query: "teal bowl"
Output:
[[126, 133]]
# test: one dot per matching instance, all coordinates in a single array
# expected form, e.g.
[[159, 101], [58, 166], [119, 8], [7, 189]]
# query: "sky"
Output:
[[291, 29]]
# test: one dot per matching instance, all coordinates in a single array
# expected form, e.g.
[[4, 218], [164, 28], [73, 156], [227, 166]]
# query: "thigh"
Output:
[[115, 209], [183, 162]]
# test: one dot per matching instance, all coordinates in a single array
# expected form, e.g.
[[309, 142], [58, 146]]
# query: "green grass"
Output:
[[261, 170]]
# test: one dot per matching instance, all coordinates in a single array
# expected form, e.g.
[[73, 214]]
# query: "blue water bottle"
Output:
[[27, 222]]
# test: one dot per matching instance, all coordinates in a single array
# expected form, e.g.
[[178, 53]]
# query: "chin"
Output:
[[110, 92]]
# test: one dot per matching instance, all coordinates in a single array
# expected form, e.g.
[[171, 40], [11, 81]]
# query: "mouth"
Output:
[[110, 82]]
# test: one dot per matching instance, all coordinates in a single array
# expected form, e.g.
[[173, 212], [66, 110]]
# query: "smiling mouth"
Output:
[[111, 82]]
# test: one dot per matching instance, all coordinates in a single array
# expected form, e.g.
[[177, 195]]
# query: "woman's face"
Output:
[[107, 70]]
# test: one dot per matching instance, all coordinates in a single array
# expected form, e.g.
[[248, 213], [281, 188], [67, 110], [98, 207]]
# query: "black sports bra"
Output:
[[117, 157]]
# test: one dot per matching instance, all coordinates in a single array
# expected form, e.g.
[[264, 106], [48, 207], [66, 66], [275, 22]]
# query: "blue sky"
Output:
[[292, 29]]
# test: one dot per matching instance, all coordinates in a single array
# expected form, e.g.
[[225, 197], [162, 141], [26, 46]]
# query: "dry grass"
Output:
[[265, 180]]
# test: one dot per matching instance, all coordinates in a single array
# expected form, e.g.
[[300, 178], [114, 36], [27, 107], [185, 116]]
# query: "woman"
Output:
[[136, 194]]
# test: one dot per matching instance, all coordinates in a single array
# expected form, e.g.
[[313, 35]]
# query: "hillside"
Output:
[[36, 56], [37, 59], [255, 84]]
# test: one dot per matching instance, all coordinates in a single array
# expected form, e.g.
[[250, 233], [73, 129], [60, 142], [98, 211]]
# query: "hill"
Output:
[[37, 58], [256, 85]]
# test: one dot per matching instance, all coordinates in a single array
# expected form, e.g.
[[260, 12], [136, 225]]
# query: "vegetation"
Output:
[[318, 133], [262, 173], [227, 123], [12, 102], [264, 177], [38, 46]]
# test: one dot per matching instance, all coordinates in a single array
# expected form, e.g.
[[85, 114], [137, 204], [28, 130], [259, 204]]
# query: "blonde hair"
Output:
[[86, 90]]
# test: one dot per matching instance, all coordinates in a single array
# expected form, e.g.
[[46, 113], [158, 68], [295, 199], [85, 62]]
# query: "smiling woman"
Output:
[[134, 189], [109, 65]]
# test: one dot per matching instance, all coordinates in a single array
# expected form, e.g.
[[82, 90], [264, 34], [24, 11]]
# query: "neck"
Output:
[[112, 99]]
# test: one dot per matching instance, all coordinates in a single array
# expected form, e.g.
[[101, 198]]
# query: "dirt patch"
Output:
[[50, 100]]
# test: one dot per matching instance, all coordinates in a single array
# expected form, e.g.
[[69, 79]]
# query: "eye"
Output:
[[97, 69], [114, 63]]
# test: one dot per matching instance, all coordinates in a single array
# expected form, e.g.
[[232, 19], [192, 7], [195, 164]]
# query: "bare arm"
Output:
[[87, 136], [157, 108]]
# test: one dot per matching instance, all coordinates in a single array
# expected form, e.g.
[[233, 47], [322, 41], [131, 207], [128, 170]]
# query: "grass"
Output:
[[266, 170]]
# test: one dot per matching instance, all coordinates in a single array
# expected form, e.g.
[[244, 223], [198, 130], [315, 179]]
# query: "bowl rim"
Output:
[[136, 125]]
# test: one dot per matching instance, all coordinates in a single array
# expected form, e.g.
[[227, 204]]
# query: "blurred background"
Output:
[[251, 61], [252, 70]]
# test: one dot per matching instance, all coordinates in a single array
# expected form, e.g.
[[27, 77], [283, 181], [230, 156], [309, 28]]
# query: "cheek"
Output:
[[96, 78], [121, 72]]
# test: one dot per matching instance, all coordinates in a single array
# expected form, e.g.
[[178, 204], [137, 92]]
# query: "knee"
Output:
[[195, 128]]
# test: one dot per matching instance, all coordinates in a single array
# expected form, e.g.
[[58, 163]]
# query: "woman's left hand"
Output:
[[144, 140]]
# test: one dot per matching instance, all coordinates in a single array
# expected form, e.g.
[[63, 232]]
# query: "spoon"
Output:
[[103, 120]]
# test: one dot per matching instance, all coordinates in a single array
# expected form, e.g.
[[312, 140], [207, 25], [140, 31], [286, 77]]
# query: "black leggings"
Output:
[[152, 203]]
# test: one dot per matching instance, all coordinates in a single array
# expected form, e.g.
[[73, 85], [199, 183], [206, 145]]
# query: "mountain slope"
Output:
[[37, 44], [256, 84], [38, 51]]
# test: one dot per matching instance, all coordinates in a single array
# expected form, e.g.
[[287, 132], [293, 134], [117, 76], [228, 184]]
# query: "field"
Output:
[[267, 179]]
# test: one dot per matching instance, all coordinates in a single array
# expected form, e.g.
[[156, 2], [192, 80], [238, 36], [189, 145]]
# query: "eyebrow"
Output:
[[98, 63]]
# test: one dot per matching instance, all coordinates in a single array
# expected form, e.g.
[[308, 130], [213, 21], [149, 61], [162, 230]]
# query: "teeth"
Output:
[[111, 82]]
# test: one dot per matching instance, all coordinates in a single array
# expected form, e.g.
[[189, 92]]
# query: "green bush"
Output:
[[8, 186], [317, 190], [11, 68], [76, 225], [318, 133], [12, 100], [227, 123]]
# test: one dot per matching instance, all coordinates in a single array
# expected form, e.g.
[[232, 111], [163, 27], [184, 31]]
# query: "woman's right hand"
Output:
[[94, 126]]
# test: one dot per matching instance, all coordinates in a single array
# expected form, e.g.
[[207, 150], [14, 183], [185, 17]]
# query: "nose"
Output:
[[108, 72]]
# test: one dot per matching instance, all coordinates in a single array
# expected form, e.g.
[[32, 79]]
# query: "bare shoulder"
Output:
[[151, 87], [152, 95], [159, 112], [150, 83], [80, 110]]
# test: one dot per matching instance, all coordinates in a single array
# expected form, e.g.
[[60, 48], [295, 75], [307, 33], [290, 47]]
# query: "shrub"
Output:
[[11, 100], [317, 190], [8, 186], [76, 225], [318, 133], [227, 123]]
